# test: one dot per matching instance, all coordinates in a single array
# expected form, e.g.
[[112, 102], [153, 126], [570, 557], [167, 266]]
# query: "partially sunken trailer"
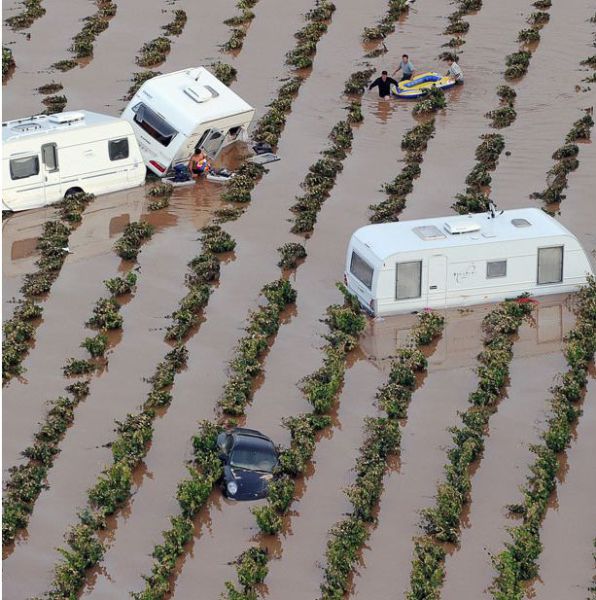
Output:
[[174, 114], [47, 157], [456, 261]]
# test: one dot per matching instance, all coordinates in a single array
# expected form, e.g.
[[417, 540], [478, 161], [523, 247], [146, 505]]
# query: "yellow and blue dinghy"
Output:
[[420, 84]]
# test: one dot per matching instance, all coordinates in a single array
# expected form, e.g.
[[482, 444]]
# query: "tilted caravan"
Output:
[[46, 157], [461, 260], [173, 114]]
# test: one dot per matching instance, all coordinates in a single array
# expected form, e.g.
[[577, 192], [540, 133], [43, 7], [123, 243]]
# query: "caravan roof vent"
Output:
[[521, 223], [27, 126], [428, 232], [198, 94], [459, 227], [67, 117]]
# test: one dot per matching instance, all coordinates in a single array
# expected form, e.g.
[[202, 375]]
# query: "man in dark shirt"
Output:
[[384, 84]]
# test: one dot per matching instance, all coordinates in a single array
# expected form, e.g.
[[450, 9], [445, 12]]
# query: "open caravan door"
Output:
[[211, 142]]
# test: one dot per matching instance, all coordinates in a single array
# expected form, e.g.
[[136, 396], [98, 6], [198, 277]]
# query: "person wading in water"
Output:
[[384, 84]]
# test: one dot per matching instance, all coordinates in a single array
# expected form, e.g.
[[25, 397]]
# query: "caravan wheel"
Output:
[[73, 192]]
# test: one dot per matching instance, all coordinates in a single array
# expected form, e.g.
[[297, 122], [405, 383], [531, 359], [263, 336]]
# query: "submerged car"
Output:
[[249, 458]]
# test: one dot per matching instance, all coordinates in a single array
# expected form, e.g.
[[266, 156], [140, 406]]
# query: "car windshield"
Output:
[[254, 459]]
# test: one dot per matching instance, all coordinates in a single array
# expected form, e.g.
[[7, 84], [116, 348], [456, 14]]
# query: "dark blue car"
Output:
[[249, 458]]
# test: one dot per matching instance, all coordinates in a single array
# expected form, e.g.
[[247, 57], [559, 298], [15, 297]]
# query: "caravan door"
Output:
[[51, 172], [211, 142], [437, 281]]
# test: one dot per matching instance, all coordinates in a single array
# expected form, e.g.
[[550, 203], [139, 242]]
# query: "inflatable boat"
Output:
[[420, 84]]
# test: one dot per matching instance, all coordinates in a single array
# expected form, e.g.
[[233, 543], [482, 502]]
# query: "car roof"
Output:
[[253, 442]]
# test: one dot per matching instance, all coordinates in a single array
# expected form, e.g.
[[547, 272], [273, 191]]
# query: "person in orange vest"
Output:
[[198, 164]]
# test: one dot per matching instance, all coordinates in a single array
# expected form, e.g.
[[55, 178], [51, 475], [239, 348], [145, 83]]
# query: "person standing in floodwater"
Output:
[[384, 84], [454, 72], [406, 67]]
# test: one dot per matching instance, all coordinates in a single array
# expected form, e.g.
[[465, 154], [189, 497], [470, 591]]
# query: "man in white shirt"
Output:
[[455, 72]]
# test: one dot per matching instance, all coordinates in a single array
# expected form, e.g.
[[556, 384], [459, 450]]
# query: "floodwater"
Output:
[[227, 528], [504, 466], [434, 406], [567, 563]]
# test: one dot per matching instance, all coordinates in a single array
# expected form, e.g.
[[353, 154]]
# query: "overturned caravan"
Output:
[[462, 260], [173, 115]]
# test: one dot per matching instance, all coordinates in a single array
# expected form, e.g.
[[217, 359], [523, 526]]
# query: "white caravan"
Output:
[[172, 114], [462, 260], [47, 157]]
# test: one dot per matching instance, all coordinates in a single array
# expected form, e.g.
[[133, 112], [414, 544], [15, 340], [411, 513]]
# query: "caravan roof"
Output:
[[192, 95], [40, 125], [386, 239]]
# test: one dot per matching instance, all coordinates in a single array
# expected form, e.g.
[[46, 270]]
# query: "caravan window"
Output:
[[408, 280], [496, 268], [153, 124], [361, 270], [20, 168], [49, 156], [118, 149], [550, 265]]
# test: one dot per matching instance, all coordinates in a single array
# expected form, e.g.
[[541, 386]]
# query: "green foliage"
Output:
[[347, 537], [166, 555], [224, 72], [75, 366], [268, 521], [528, 35], [490, 149], [65, 65], [176, 25], [430, 325], [33, 10], [580, 130], [216, 240], [281, 494], [8, 62], [358, 82], [235, 41], [71, 208], [134, 433], [251, 567], [507, 94], [84, 552], [428, 572], [54, 104], [478, 178], [120, 286], [138, 79], [96, 346], [112, 488], [290, 254], [129, 243], [192, 493], [517, 64], [502, 116], [248, 356], [106, 315], [154, 52], [432, 101]]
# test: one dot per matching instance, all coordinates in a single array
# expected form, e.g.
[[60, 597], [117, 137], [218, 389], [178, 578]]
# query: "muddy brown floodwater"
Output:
[[117, 391], [506, 457], [434, 406], [241, 280], [567, 561], [544, 117], [545, 114], [34, 51]]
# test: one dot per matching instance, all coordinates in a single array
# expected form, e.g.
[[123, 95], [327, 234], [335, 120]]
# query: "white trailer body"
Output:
[[462, 260], [46, 157], [172, 114]]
